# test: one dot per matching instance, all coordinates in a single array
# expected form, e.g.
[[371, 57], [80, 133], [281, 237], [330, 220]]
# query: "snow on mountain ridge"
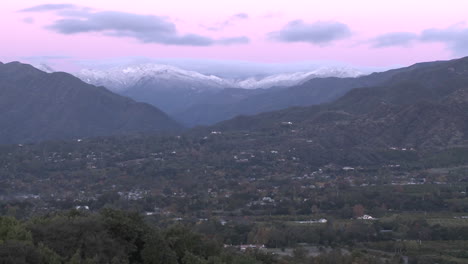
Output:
[[124, 77], [290, 79], [44, 67]]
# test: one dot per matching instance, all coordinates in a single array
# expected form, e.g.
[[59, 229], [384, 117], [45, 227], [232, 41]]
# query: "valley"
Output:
[[234, 132], [379, 173]]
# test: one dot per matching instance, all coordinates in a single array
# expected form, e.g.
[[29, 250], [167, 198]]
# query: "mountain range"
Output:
[[312, 92], [123, 78], [420, 109], [36, 106], [192, 98], [421, 106]]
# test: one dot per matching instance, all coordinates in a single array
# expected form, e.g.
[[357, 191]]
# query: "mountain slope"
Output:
[[168, 88], [35, 106], [423, 108], [196, 99], [312, 92], [174, 98]]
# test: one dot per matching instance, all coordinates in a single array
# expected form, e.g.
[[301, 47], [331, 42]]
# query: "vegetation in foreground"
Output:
[[119, 237], [113, 236]]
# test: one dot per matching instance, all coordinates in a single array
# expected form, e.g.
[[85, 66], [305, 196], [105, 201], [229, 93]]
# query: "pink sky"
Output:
[[366, 20]]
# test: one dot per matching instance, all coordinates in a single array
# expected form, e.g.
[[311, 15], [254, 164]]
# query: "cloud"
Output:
[[455, 37], [228, 22], [144, 28], [49, 7], [320, 33], [272, 15], [241, 16], [235, 40], [394, 39]]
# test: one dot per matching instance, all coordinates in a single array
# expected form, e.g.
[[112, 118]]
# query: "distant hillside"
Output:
[[313, 92], [35, 106], [425, 107]]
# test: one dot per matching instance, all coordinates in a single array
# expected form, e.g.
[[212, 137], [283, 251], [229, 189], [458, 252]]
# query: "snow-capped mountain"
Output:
[[120, 79], [123, 78], [291, 79], [195, 98]]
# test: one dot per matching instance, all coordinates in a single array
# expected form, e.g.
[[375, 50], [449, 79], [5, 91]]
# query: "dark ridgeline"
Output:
[[425, 105], [36, 106]]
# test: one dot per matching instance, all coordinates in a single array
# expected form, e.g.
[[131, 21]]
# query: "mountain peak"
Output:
[[15, 69]]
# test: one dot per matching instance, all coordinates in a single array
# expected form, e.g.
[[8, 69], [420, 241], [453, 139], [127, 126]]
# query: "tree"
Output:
[[76, 258], [48, 255], [190, 258], [19, 252], [358, 210], [157, 251], [11, 229]]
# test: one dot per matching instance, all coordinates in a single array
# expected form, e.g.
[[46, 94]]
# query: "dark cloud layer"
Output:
[[157, 29], [145, 28], [320, 33]]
